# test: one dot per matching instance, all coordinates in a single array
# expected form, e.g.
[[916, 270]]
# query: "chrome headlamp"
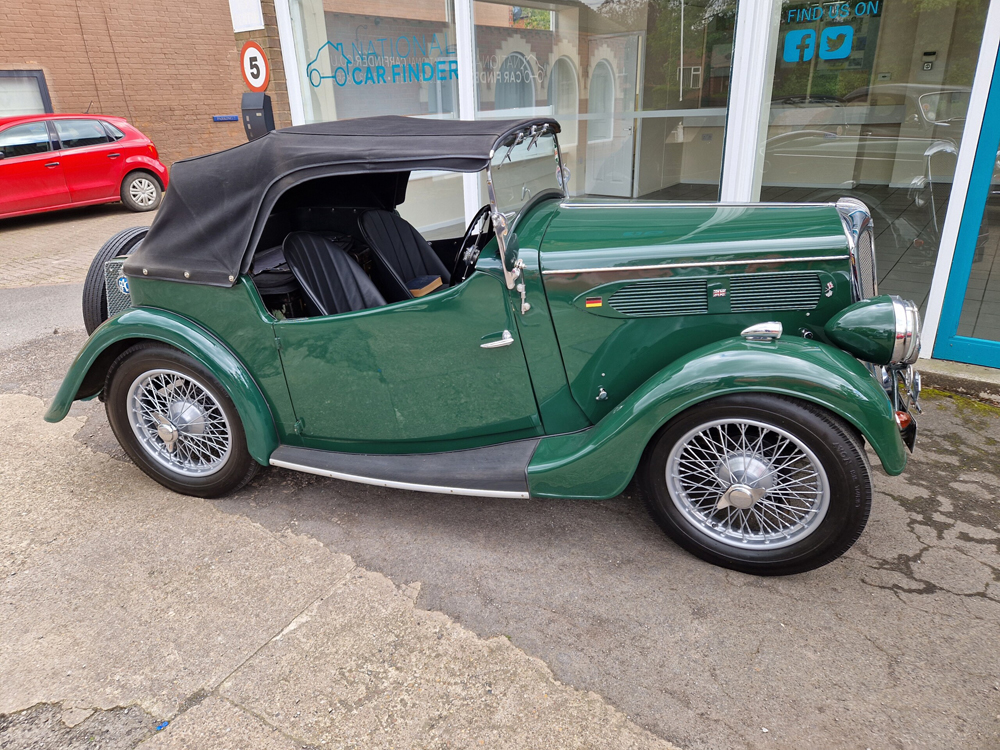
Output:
[[906, 348], [884, 331]]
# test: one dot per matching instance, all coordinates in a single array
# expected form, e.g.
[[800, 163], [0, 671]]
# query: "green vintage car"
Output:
[[735, 359]]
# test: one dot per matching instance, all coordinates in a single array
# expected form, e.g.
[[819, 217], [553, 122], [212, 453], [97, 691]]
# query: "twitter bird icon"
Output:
[[835, 42]]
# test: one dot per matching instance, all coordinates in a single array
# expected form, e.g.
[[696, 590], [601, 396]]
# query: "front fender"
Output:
[[599, 462], [144, 324]]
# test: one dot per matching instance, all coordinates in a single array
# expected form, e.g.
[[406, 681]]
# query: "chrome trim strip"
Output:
[[398, 485], [691, 204], [707, 264]]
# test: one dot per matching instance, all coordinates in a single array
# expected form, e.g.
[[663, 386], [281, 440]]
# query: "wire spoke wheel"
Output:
[[179, 423], [142, 191], [748, 484]]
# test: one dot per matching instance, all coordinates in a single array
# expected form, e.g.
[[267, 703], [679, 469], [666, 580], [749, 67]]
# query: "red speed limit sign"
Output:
[[256, 71]]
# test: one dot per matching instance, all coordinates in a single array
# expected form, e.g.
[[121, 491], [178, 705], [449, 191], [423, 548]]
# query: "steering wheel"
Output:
[[469, 249]]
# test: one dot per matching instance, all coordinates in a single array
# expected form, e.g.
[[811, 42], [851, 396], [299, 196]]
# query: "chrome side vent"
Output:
[[654, 297], [753, 292]]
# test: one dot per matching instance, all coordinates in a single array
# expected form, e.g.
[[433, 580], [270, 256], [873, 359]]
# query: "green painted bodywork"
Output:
[[866, 329], [605, 350], [598, 463], [136, 325], [411, 377]]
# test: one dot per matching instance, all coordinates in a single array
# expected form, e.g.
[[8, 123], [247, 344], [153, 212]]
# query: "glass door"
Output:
[[970, 319]]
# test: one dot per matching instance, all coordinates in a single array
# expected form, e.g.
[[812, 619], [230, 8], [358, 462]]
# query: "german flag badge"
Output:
[[593, 302]]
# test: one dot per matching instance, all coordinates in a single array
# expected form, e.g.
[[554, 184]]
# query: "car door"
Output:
[[91, 161], [413, 376], [31, 175]]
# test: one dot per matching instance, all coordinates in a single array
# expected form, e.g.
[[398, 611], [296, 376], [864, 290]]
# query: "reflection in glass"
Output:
[[515, 84], [602, 102], [869, 100], [639, 88]]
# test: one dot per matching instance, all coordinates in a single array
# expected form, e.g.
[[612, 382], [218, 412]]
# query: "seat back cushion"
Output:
[[332, 280], [401, 253]]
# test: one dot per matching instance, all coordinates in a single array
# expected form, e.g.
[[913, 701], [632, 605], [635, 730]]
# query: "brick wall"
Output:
[[166, 67]]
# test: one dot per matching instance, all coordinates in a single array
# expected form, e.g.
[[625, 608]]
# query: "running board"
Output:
[[491, 471]]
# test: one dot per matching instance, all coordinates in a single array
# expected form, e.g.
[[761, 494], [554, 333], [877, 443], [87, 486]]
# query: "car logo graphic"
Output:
[[835, 42], [338, 74], [123, 284], [800, 46]]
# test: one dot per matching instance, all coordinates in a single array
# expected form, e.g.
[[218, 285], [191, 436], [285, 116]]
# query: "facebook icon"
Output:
[[800, 46]]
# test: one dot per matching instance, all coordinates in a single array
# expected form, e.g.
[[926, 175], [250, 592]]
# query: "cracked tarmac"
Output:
[[893, 646]]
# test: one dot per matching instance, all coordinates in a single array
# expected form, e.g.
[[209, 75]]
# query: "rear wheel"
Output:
[[759, 483], [141, 191], [95, 295], [177, 422]]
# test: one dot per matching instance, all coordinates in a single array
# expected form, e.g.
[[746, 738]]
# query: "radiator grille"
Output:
[[755, 292], [661, 297], [866, 265], [118, 297]]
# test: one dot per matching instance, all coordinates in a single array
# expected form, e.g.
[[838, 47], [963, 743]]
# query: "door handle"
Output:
[[52, 164], [505, 340], [113, 156]]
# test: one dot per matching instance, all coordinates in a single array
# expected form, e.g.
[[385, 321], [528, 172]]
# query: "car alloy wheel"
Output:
[[747, 483], [178, 423], [142, 191]]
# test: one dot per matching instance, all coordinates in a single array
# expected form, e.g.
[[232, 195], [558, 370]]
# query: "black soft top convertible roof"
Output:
[[217, 204]]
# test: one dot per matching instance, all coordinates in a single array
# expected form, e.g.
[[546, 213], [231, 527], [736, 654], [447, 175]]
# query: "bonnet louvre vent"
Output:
[[661, 297], [755, 292]]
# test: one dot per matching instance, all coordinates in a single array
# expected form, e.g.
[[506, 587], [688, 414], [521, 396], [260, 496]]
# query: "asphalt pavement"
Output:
[[892, 646]]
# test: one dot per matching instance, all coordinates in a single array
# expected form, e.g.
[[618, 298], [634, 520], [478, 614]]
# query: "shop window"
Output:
[[563, 95], [602, 102], [515, 83], [640, 88], [23, 92], [869, 100], [384, 57]]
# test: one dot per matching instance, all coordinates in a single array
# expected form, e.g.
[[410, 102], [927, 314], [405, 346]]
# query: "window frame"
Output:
[[39, 76]]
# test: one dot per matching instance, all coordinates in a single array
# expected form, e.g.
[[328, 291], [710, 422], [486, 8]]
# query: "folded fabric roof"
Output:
[[217, 204]]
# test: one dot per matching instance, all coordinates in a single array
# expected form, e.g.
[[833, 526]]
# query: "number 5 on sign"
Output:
[[256, 71]]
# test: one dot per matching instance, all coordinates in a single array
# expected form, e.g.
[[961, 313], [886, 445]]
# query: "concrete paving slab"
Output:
[[116, 592], [365, 668], [217, 724], [117, 595]]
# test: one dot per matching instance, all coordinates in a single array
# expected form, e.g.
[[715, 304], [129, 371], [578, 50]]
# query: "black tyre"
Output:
[[141, 191], [177, 422], [758, 483], [95, 296]]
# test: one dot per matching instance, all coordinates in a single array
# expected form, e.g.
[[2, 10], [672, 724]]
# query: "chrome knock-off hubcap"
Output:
[[179, 423], [747, 483]]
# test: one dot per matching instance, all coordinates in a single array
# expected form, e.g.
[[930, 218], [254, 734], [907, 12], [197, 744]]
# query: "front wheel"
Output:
[[759, 483], [177, 422]]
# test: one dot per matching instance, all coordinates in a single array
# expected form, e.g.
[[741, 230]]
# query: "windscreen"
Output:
[[521, 168]]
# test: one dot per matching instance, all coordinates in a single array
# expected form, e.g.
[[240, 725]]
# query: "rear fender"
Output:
[[599, 462], [86, 375]]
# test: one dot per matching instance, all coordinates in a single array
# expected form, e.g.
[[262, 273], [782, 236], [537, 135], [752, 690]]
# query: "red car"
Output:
[[59, 161]]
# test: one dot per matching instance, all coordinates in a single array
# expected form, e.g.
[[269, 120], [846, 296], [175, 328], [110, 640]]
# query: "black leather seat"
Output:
[[401, 254], [332, 279]]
